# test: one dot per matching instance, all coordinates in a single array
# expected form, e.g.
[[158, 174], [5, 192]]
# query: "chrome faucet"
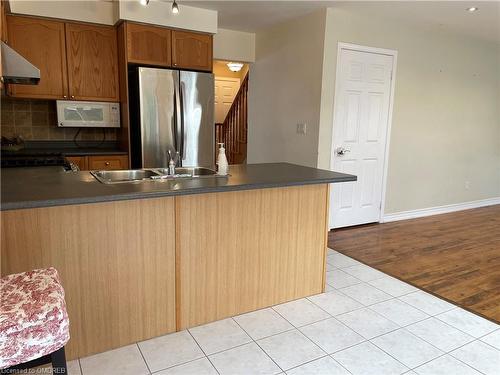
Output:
[[172, 163]]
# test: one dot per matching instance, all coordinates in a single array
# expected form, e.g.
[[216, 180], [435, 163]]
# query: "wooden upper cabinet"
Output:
[[148, 45], [3, 21], [191, 50], [41, 42], [3, 34], [92, 62]]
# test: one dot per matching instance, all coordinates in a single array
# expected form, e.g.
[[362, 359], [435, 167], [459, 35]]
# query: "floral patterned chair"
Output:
[[34, 325]]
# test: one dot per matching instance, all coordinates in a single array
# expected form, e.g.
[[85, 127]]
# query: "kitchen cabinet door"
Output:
[[192, 50], [92, 62], [148, 45], [3, 33], [3, 24], [107, 162], [42, 42]]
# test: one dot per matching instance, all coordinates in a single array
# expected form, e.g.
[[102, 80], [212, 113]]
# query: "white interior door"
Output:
[[225, 92], [361, 116]]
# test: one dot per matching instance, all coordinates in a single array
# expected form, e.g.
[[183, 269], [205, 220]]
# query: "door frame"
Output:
[[380, 51]]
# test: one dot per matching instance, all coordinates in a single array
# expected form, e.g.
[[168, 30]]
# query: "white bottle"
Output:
[[222, 165]]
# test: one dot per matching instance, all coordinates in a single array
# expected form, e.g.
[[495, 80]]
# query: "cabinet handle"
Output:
[[107, 163], [72, 97], [65, 96]]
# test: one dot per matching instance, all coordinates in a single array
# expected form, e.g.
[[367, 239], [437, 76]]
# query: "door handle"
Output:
[[183, 130], [178, 120], [341, 151], [176, 126]]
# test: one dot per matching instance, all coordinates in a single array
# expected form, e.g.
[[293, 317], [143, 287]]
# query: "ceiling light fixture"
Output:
[[472, 9], [234, 66], [175, 7]]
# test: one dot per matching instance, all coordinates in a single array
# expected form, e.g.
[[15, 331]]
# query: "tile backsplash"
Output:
[[37, 120]]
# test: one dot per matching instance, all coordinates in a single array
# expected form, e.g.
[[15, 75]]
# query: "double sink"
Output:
[[134, 175]]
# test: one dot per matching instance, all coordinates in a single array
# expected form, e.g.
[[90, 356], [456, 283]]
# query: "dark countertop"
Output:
[[90, 151], [51, 186], [67, 148], [67, 151]]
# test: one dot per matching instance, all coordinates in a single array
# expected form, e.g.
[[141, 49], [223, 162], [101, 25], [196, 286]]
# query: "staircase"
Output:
[[233, 131]]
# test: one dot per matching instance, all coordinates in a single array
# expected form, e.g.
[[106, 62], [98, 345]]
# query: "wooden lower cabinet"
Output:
[[116, 261], [107, 162], [99, 162], [80, 161], [242, 251], [138, 269]]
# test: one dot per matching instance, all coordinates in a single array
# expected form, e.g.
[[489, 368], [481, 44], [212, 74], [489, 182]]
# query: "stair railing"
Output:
[[233, 131]]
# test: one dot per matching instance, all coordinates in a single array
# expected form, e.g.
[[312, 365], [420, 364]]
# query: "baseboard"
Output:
[[413, 214]]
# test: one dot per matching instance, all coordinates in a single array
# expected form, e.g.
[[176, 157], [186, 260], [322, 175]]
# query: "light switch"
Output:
[[302, 129]]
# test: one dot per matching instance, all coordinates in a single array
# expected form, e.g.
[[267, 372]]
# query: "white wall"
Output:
[[285, 89], [446, 120], [106, 12], [234, 45], [160, 13], [85, 11]]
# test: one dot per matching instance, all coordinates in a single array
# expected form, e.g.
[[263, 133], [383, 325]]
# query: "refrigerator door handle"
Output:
[[178, 118], [174, 130], [182, 139]]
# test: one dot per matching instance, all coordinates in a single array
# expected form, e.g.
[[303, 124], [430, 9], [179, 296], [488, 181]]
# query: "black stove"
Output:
[[38, 159]]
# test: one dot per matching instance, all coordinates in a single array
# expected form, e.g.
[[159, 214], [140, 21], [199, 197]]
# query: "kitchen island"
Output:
[[140, 260]]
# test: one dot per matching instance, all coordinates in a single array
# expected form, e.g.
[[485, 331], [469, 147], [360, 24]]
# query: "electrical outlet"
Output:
[[302, 129], [467, 185]]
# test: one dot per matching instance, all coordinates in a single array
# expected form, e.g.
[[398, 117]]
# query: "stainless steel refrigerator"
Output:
[[171, 110]]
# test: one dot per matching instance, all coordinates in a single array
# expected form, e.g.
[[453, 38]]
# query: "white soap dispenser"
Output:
[[222, 165]]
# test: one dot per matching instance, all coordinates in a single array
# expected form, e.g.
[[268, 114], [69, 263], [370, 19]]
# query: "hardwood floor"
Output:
[[455, 256]]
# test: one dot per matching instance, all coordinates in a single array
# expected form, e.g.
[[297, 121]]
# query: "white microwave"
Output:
[[75, 114]]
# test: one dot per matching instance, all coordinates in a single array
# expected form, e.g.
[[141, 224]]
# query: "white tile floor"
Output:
[[366, 323]]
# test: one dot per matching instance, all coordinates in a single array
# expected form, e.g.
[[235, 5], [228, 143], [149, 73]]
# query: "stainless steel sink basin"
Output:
[[115, 177], [189, 172], [134, 175]]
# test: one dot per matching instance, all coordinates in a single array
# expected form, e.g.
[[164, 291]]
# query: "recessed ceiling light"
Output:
[[472, 9]]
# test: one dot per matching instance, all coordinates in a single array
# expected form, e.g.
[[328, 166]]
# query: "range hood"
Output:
[[16, 69]]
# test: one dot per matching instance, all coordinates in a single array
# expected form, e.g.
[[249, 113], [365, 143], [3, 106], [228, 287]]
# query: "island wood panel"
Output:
[[92, 62], [42, 42], [148, 45], [116, 261], [241, 251]]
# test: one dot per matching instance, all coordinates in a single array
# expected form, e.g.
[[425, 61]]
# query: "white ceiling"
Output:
[[255, 15]]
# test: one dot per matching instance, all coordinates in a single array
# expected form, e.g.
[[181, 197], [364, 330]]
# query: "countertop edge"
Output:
[[158, 194]]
